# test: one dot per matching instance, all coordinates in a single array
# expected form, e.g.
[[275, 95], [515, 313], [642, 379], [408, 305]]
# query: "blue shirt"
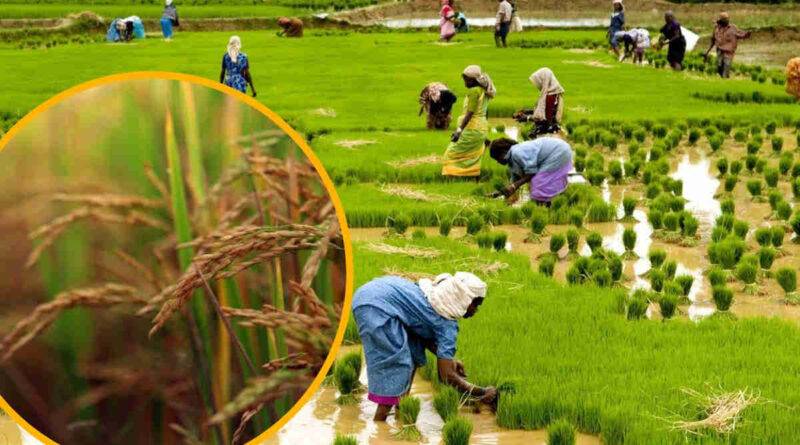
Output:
[[234, 71], [404, 300], [544, 154]]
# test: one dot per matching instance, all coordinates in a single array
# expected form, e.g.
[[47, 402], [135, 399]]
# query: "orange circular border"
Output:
[[298, 139]]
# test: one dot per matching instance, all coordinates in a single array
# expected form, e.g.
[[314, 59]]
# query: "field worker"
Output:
[[461, 22], [793, 77], [437, 101], [636, 41], [398, 320], [726, 38], [236, 68], [549, 110], [502, 25], [169, 18], [447, 16], [544, 162], [616, 26], [467, 144], [290, 27], [671, 33]]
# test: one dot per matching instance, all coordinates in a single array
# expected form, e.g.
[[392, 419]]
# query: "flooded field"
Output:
[[323, 418], [484, 22]]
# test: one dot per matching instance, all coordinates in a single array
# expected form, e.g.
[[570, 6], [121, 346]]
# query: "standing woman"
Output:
[[447, 29], [398, 320], [616, 25], [169, 19], [236, 68], [793, 77], [671, 33], [463, 155]]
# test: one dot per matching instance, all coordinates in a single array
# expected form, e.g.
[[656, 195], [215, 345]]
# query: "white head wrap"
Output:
[[546, 82], [451, 295], [234, 47], [483, 79], [168, 2]]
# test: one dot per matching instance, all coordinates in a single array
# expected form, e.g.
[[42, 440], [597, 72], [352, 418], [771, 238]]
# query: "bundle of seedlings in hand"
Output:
[[407, 413], [446, 402], [457, 431], [787, 279], [561, 432]]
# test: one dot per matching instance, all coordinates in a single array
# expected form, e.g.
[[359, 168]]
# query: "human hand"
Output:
[[460, 369], [456, 135], [489, 396]]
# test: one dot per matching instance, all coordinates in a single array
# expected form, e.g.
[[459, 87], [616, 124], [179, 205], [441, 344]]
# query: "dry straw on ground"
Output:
[[722, 411]]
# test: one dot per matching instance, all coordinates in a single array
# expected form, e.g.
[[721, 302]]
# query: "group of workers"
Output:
[[452, 21], [725, 38]]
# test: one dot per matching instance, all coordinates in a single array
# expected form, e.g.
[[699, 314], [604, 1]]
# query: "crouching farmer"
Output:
[[544, 162], [398, 320]]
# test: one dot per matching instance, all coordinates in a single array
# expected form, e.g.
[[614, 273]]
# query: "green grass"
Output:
[[110, 11], [610, 376], [377, 94]]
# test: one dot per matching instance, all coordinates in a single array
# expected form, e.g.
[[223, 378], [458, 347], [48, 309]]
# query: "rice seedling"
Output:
[[656, 219], [754, 186], [726, 252], [557, 241], [787, 279], [573, 238], [783, 210], [771, 177], [728, 206], [747, 273], [474, 224], [615, 171], [736, 167], [499, 240], [457, 431], [771, 127], [750, 162], [345, 440], [407, 413], [668, 303], [761, 165], [576, 218], [657, 279], [346, 380], [794, 223], [722, 166], [753, 147], [740, 136], [716, 141], [561, 432], [723, 297], [796, 188], [777, 144], [538, 222], [628, 207], [777, 234], [785, 163], [694, 136], [690, 226], [399, 224], [763, 236], [629, 242], [685, 282], [446, 402], [671, 221], [418, 234], [445, 226], [657, 257], [594, 240], [766, 256], [717, 276], [670, 267], [741, 228], [484, 240], [725, 222]]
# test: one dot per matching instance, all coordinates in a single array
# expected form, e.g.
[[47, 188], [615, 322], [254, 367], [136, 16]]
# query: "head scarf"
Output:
[[546, 82], [234, 47], [619, 2], [724, 16], [168, 2], [451, 295], [483, 79]]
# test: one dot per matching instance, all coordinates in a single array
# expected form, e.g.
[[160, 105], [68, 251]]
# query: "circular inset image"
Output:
[[174, 261]]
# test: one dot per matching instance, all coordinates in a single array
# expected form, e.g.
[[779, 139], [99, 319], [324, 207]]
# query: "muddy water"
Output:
[[322, 418], [483, 22]]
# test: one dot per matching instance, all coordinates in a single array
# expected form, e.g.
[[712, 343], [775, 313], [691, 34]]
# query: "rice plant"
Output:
[[656, 219], [561, 432], [722, 166], [657, 257], [763, 236], [484, 240], [499, 240], [783, 211], [766, 256], [573, 239], [407, 413], [723, 297], [637, 307], [629, 242], [777, 234], [685, 282], [736, 167], [615, 171], [668, 304], [777, 144], [457, 431], [670, 267], [445, 226], [771, 177], [747, 273], [538, 222], [345, 440], [755, 186], [787, 279], [446, 402], [347, 384], [594, 240], [628, 207], [657, 279], [794, 223], [547, 265], [474, 224], [717, 276], [557, 241]]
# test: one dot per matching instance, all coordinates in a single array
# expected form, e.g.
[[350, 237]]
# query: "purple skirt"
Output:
[[547, 185]]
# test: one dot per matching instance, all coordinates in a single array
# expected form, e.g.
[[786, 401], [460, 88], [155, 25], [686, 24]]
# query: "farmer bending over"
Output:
[[398, 320], [290, 27], [636, 42], [437, 101], [726, 37], [544, 162], [549, 110]]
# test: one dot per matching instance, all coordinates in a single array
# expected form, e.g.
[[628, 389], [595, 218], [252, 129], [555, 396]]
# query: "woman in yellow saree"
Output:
[[463, 155]]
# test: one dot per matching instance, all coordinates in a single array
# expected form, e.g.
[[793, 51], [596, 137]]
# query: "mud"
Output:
[[323, 418]]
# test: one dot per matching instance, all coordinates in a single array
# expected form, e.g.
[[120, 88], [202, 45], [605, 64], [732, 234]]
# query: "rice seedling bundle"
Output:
[[717, 276], [777, 144], [561, 432], [474, 224], [345, 440], [771, 176], [783, 210], [722, 166], [457, 431], [670, 267], [446, 402], [657, 257], [484, 240], [538, 221], [418, 234], [594, 240], [346, 380], [794, 223], [557, 241], [777, 235], [750, 162], [785, 163], [787, 279], [722, 296], [637, 307], [499, 240], [747, 273], [657, 279], [736, 167], [400, 223], [763, 236], [445, 226], [766, 256], [629, 241], [407, 413], [573, 238], [741, 228], [685, 282], [615, 171], [667, 304]]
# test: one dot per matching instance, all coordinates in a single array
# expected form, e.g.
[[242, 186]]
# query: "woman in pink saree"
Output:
[[447, 28]]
